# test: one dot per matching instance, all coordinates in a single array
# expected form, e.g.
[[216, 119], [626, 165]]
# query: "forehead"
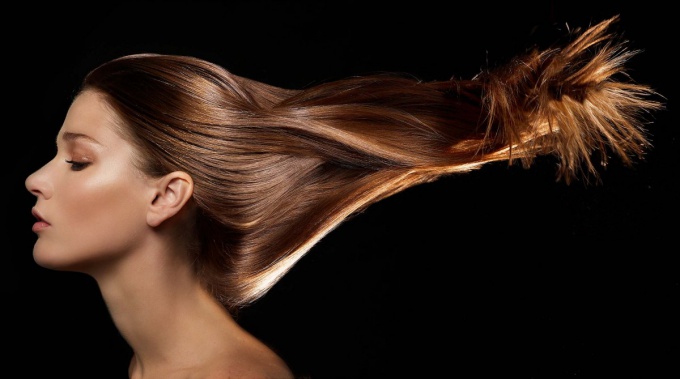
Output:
[[91, 122], [90, 116]]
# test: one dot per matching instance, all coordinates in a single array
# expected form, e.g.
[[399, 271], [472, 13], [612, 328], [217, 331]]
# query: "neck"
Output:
[[171, 322]]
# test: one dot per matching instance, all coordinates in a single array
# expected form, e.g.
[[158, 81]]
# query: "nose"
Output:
[[38, 183]]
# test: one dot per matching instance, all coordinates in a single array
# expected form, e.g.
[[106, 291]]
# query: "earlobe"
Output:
[[173, 191]]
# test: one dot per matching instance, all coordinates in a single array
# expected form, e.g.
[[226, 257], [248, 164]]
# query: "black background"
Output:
[[500, 272]]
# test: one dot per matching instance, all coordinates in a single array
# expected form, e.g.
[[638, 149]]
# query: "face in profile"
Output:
[[90, 198]]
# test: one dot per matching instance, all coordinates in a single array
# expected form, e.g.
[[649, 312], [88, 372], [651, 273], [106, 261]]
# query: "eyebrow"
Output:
[[70, 136]]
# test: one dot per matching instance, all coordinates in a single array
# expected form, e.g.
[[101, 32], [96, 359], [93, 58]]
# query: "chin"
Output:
[[48, 260], [54, 259], [75, 259]]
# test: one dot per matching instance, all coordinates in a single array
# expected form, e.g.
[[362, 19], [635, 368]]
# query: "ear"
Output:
[[172, 192]]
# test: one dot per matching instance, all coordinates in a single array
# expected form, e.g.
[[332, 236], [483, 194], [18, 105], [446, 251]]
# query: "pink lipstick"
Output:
[[40, 224]]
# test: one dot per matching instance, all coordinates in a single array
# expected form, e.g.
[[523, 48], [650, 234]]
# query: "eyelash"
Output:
[[77, 166]]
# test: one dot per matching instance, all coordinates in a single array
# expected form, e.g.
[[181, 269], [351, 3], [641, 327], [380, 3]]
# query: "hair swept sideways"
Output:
[[276, 169], [570, 102], [396, 132]]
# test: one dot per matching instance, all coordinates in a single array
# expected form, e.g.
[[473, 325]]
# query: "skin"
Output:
[[102, 216]]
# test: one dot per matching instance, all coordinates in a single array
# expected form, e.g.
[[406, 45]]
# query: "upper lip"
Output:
[[37, 215]]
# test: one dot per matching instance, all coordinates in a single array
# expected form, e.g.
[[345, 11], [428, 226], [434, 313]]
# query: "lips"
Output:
[[40, 224]]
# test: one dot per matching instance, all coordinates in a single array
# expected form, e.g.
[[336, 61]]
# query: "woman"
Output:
[[187, 192]]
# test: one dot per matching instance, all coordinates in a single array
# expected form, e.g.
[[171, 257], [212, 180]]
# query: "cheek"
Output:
[[99, 216], [104, 211]]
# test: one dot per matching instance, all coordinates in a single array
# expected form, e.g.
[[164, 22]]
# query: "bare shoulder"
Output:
[[259, 366], [254, 371]]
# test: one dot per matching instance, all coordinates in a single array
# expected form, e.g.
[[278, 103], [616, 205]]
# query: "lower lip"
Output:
[[40, 225]]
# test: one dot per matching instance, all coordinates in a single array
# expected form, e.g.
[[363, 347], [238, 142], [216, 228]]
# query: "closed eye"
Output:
[[77, 166]]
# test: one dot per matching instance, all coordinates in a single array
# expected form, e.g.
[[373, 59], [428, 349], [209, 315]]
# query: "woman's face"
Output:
[[91, 200]]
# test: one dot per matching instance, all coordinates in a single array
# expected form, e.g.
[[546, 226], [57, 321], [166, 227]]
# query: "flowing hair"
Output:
[[276, 169]]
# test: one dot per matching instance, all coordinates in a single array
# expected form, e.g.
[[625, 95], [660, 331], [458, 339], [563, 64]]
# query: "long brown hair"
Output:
[[277, 169]]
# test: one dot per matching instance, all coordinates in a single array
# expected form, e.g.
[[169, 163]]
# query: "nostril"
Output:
[[35, 183], [29, 183], [39, 182], [33, 186]]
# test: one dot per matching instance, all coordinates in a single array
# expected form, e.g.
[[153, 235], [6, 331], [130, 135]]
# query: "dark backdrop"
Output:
[[500, 272]]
